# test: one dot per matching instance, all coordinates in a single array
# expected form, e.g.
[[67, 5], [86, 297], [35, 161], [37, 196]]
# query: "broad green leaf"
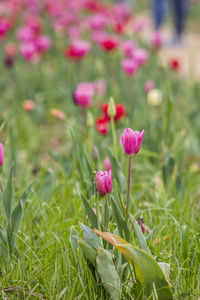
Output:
[[7, 195], [91, 215], [90, 237], [165, 268], [88, 252], [108, 274], [121, 223], [140, 236], [146, 268], [3, 236]]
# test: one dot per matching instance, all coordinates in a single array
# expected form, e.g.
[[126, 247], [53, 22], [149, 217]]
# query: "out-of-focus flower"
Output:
[[107, 164], [144, 228], [131, 141], [141, 56], [1, 154], [25, 34], [127, 48], [104, 182], [109, 43], [120, 112], [129, 66], [96, 22], [77, 50], [11, 50], [100, 86], [28, 105], [154, 97], [156, 42], [4, 27], [102, 125], [148, 86], [42, 43], [59, 114], [174, 64], [8, 61], [83, 94], [28, 51]]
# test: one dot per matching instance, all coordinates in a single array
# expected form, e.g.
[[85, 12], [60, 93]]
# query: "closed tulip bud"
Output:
[[1, 154], [131, 141], [90, 119], [111, 108], [154, 97], [104, 182], [107, 164]]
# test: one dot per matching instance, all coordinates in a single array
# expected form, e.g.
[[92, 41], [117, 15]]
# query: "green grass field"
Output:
[[165, 181]]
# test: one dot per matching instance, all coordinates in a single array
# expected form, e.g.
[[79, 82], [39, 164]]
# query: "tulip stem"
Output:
[[114, 135], [97, 208], [128, 188], [106, 212]]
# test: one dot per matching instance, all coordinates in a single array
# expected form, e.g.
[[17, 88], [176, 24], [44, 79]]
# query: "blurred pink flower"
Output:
[[149, 85], [107, 164], [156, 42], [83, 94], [100, 87], [129, 66], [141, 56], [77, 50], [28, 51], [42, 43], [128, 48], [25, 34]]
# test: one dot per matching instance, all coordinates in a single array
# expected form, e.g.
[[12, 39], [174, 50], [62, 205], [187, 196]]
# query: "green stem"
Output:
[[128, 188], [106, 212], [114, 135], [97, 209]]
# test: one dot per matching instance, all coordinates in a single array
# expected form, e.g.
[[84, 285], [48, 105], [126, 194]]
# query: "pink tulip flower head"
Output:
[[104, 182], [43, 43], [25, 34], [141, 56], [148, 86], [129, 66], [128, 48], [156, 42], [1, 154], [28, 51], [84, 94], [131, 141], [107, 164]]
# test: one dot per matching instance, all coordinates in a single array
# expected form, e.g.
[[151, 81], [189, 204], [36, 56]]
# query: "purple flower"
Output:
[[131, 141]]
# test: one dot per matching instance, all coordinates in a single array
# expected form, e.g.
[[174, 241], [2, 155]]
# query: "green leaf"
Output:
[[3, 236], [90, 237], [108, 274], [17, 215], [88, 252], [140, 236], [7, 195], [73, 237], [147, 270], [91, 215], [121, 223]]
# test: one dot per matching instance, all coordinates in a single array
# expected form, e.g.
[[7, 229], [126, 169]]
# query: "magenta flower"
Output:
[[129, 66], [104, 182], [156, 42], [141, 56], [28, 51], [107, 164], [131, 141], [127, 48], [1, 154], [83, 94], [42, 43]]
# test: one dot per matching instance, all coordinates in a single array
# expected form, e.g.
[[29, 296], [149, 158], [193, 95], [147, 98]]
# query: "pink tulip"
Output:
[[1, 154], [129, 66], [28, 51], [128, 48], [104, 182], [25, 34], [42, 43], [149, 85], [107, 164], [131, 141], [84, 94], [141, 56], [156, 40]]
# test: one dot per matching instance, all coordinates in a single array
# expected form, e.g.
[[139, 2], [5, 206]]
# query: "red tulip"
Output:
[[102, 125]]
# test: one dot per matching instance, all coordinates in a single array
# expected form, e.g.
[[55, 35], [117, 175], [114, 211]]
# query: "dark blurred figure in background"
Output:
[[179, 8]]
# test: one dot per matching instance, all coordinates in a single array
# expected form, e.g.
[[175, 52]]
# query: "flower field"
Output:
[[99, 157]]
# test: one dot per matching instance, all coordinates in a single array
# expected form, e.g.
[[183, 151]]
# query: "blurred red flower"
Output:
[[102, 125], [174, 64]]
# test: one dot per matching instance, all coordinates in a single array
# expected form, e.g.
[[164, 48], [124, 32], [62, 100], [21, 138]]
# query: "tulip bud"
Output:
[[107, 164], [111, 108], [154, 97], [1, 154], [131, 141], [104, 182], [90, 119], [95, 153]]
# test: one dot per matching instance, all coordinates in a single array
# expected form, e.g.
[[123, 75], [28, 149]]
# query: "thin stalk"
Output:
[[114, 135], [97, 208], [128, 188], [1, 186], [106, 212]]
